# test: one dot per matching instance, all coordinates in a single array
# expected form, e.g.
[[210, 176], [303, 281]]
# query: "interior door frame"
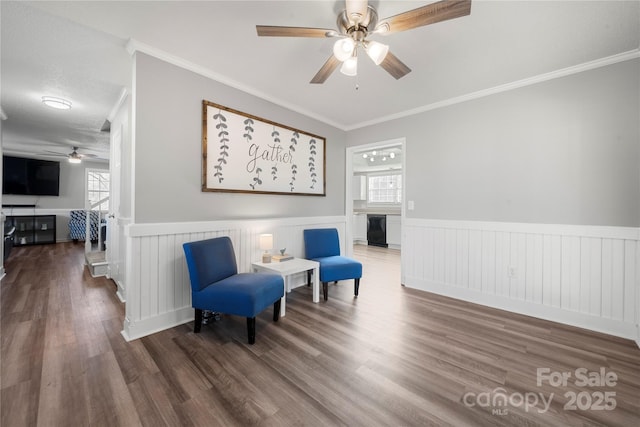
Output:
[[116, 257], [348, 193]]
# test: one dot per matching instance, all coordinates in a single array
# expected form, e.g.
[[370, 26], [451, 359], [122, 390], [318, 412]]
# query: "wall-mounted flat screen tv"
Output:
[[31, 177]]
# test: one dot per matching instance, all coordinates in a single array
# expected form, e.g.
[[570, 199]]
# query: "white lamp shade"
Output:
[[343, 49], [266, 242], [350, 66], [377, 51]]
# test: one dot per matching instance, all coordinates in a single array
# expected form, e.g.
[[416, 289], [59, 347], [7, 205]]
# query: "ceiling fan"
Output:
[[357, 22], [74, 156]]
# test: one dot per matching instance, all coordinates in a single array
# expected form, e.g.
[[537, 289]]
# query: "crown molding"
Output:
[[116, 107], [134, 46], [591, 65]]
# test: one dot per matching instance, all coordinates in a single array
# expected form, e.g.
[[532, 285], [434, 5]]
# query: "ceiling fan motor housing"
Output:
[[349, 26]]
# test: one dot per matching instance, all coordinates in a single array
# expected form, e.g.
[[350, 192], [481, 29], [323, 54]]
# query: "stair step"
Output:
[[97, 263]]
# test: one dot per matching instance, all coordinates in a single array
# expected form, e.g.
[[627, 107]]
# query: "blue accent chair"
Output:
[[217, 286], [323, 245]]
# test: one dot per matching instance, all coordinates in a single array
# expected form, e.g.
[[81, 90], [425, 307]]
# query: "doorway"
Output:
[[375, 186]]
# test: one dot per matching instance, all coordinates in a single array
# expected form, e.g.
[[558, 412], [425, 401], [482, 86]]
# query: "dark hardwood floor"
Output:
[[391, 357]]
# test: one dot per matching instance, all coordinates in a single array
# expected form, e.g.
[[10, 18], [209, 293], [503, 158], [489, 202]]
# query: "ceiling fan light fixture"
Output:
[[57, 103], [74, 157], [350, 67], [343, 49], [377, 51]]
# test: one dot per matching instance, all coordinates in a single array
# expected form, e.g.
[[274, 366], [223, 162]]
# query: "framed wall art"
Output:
[[249, 154]]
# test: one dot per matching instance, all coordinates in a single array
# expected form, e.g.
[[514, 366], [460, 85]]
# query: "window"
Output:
[[98, 188], [385, 189]]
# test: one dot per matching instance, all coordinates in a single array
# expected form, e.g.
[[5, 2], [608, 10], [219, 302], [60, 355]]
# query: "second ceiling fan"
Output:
[[360, 20]]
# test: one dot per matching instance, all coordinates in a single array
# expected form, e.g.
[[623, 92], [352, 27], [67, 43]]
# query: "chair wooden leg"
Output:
[[325, 290], [356, 286], [251, 329], [198, 322], [276, 310]]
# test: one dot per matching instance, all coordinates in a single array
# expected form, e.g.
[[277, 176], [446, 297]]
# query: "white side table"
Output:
[[288, 268]]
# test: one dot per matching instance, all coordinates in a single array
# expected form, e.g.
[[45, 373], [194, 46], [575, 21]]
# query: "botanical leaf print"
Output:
[[223, 136], [312, 163]]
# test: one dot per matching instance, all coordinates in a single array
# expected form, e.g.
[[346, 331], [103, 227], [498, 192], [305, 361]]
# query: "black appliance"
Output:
[[377, 230]]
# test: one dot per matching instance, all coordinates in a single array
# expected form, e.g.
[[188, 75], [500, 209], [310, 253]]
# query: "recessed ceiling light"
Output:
[[58, 103]]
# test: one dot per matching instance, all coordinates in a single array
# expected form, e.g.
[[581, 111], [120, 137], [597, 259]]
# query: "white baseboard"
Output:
[[585, 276], [134, 330], [527, 308], [121, 292]]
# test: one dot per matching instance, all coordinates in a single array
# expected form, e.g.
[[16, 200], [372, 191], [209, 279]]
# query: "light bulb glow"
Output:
[[343, 49], [392, 155], [364, 156], [377, 51], [350, 66], [57, 103]]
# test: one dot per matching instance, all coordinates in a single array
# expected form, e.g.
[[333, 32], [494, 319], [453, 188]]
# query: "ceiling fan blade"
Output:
[[87, 155], [394, 66], [55, 153], [429, 14], [275, 31], [326, 70]]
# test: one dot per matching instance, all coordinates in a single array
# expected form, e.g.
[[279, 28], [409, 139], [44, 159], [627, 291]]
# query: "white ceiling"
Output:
[[77, 50]]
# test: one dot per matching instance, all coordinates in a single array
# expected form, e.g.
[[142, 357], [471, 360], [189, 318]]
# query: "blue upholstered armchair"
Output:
[[323, 245], [217, 286], [77, 225]]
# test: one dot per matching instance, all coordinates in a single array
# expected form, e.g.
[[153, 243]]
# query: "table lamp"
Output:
[[266, 244]]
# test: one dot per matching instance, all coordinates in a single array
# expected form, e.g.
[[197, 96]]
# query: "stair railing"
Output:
[[88, 209]]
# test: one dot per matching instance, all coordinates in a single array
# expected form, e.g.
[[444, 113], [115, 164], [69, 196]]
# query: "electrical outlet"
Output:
[[513, 272]]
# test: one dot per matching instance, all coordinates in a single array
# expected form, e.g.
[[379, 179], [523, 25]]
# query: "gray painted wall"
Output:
[[168, 145], [565, 151]]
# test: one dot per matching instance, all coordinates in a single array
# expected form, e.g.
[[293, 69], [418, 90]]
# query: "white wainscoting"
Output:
[[157, 280], [579, 275]]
